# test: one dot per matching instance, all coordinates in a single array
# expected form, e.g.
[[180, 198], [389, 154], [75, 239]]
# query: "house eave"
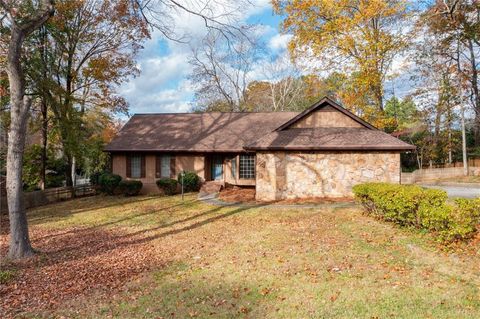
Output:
[[334, 148]]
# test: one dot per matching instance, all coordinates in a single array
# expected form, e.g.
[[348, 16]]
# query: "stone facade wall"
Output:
[[288, 175]]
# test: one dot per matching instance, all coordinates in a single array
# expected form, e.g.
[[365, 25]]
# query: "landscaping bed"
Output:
[[246, 195]]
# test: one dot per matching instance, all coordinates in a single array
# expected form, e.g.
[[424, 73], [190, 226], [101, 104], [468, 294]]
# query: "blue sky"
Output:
[[163, 85]]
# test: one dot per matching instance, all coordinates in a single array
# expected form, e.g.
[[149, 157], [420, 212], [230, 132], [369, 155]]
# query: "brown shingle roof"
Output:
[[195, 132], [329, 138]]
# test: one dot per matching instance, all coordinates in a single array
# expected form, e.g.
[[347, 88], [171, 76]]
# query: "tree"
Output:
[[402, 114], [84, 53], [360, 38], [285, 84], [221, 71], [455, 24], [23, 20]]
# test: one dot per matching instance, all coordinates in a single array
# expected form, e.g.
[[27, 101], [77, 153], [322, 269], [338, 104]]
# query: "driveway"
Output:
[[455, 190]]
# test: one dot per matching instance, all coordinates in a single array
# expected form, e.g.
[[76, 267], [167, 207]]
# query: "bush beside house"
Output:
[[130, 187], [414, 206], [108, 182], [167, 185], [191, 181]]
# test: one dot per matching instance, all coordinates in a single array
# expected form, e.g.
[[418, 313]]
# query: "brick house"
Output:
[[321, 152]]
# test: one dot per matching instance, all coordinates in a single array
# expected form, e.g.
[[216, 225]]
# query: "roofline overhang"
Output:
[[175, 151], [333, 148]]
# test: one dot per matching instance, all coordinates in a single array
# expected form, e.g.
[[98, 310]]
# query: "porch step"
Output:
[[210, 188]]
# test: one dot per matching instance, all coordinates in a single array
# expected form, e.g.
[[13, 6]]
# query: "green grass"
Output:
[[269, 263], [6, 276]]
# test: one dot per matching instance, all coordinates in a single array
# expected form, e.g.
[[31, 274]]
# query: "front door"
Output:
[[217, 167]]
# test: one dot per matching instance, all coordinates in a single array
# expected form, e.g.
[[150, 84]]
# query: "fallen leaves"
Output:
[[71, 263]]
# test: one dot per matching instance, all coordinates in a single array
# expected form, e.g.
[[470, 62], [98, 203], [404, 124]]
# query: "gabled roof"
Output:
[[239, 132], [329, 139], [195, 132], [326, 101]]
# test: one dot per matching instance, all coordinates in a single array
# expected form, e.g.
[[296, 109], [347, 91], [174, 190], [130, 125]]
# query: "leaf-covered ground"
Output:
[[152, 257]]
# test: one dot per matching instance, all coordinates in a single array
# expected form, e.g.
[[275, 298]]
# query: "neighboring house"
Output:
[[321, 152]]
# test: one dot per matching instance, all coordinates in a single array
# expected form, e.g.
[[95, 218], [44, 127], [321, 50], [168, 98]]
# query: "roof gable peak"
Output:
[[325, 101]]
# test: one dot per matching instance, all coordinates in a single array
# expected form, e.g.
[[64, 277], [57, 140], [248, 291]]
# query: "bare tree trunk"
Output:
[[44, 145], [20, 105], [68, 171], [464, 145], [475, 92]]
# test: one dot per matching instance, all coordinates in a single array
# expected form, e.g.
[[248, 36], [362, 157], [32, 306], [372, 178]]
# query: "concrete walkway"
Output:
[[212, 199], [457, 190]]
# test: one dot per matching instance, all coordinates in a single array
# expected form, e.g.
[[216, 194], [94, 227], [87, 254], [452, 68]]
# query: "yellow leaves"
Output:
[[362, 35]]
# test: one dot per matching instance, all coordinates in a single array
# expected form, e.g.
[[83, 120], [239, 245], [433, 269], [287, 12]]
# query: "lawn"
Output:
[[153, 257]]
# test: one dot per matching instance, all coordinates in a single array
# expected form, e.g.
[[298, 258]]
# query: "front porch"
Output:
[[231, 169]]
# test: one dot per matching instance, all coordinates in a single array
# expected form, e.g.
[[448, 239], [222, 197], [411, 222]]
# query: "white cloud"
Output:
[[162, 85], [279, 41]]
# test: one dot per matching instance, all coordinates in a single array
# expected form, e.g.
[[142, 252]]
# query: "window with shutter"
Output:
[[233, 162], [136, 168], [165, 166]]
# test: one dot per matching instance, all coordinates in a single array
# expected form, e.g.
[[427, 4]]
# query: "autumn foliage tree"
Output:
[[84, 53], [359, 38]]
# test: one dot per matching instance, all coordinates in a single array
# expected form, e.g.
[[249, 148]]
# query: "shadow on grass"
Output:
[[78, 261], [139, 237], [127, 218], [44, 214]]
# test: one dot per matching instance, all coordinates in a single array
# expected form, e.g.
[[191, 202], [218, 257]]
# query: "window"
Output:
[[136, 166], [165, 166], [233, 164], [247, 166]]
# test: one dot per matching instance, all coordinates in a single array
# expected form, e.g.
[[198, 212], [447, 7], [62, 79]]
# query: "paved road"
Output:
[[470, 191]]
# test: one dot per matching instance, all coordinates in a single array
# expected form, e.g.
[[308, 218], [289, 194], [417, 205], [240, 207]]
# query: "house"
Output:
[[320, 152]]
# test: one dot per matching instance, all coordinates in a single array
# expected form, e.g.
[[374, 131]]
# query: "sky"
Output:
[[163, 85]]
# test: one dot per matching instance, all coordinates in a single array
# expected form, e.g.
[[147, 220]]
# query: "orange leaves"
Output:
[[358, 38]]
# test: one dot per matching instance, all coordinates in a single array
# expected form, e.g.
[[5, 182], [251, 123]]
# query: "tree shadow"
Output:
[[40, 215], [70, 264], [127, 218]]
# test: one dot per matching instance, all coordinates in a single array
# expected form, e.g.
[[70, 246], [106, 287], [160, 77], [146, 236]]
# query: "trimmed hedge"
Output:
[[191, 182], [414, 206], [130, 187], [108, 182], [167, 185]]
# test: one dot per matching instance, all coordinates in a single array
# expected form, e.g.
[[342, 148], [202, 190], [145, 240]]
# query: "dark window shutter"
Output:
[[142, 166], [129, 166], [158, 166], [172, 167]]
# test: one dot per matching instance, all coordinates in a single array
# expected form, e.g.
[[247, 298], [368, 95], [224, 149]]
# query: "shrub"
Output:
[[191, 181], [108, 182], [52, 180], [411, 205], [94, 178], [167, 185], [130, 187]]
